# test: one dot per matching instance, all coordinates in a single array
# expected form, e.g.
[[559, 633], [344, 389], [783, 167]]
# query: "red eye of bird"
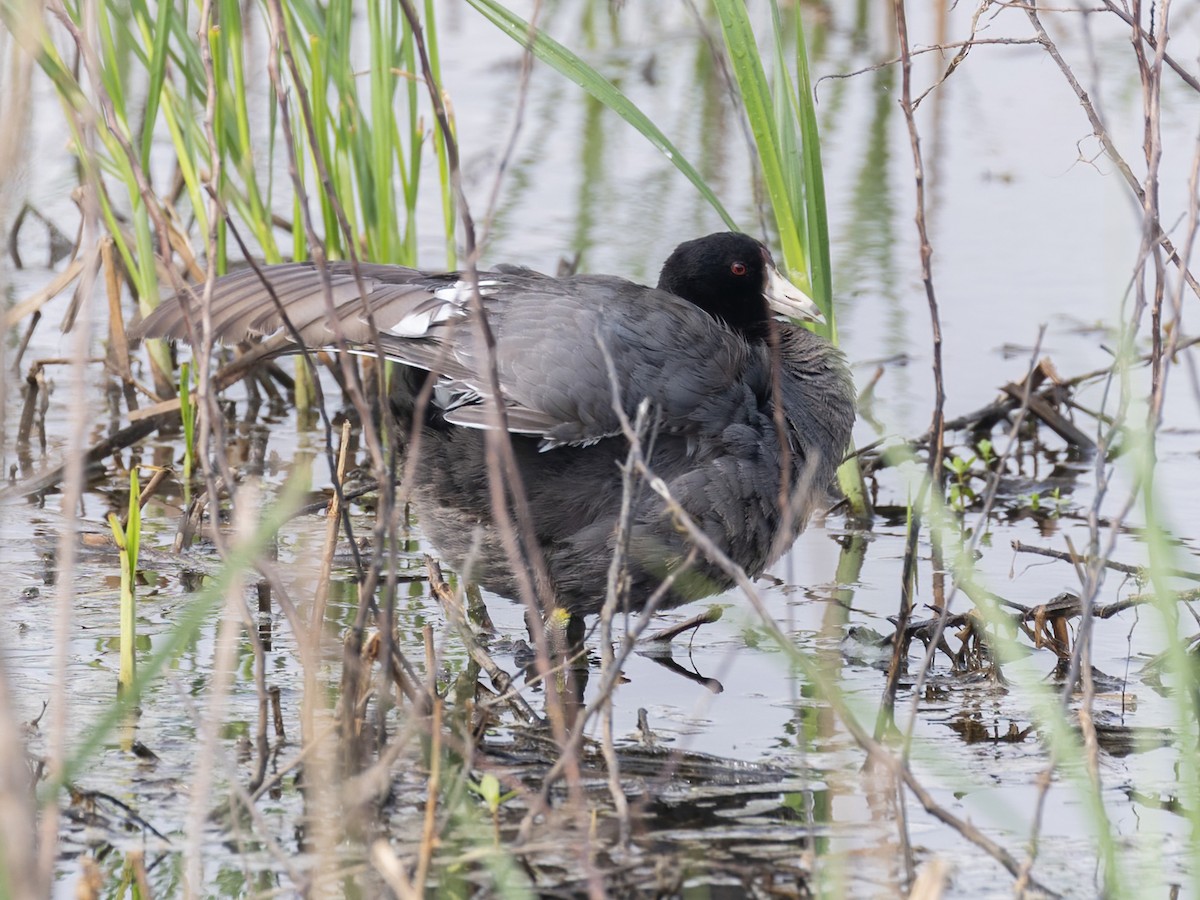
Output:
[[738, 268]]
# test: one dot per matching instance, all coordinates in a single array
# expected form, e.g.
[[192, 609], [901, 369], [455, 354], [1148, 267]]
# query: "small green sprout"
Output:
[[128, 538]]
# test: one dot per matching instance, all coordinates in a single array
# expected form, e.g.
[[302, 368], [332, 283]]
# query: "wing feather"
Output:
[[556, 340]]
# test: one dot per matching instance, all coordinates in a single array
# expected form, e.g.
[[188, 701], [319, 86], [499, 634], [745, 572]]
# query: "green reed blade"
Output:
[[567, 63], [759, 105], [816, 210]]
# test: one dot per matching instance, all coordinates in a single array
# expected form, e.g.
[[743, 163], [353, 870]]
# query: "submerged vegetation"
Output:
[[317, 708]]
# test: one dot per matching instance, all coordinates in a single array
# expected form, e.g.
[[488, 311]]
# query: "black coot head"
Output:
[[732, 277]]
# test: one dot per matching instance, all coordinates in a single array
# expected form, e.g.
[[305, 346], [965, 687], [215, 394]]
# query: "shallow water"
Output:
[[1029, 229]]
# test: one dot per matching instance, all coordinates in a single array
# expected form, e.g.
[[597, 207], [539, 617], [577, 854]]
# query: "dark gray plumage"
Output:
[[699, 347]]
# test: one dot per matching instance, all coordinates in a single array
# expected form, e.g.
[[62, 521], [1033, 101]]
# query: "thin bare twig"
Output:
[[1188, 78], [1139, 572], [935, 471], [935, 48], [1102, 134]]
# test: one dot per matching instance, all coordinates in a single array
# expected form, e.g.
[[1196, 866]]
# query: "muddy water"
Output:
[[1031, 228]]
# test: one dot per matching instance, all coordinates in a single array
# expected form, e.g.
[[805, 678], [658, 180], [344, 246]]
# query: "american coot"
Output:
[[699, 347]]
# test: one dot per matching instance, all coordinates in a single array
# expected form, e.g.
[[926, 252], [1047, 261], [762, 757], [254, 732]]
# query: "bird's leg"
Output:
[[564, 634]]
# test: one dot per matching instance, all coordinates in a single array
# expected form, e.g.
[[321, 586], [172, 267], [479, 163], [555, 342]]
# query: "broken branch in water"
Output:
[[1138, 572]]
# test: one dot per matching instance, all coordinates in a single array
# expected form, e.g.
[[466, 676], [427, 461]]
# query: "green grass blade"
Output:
[[759, 104], [161, 32], [127, 539], [439, 142], [133, 527], [567, 63], [178, 119], [817, 213], [110, 71], [380, 207], [321, 59], [411, 180], [187, 414]]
